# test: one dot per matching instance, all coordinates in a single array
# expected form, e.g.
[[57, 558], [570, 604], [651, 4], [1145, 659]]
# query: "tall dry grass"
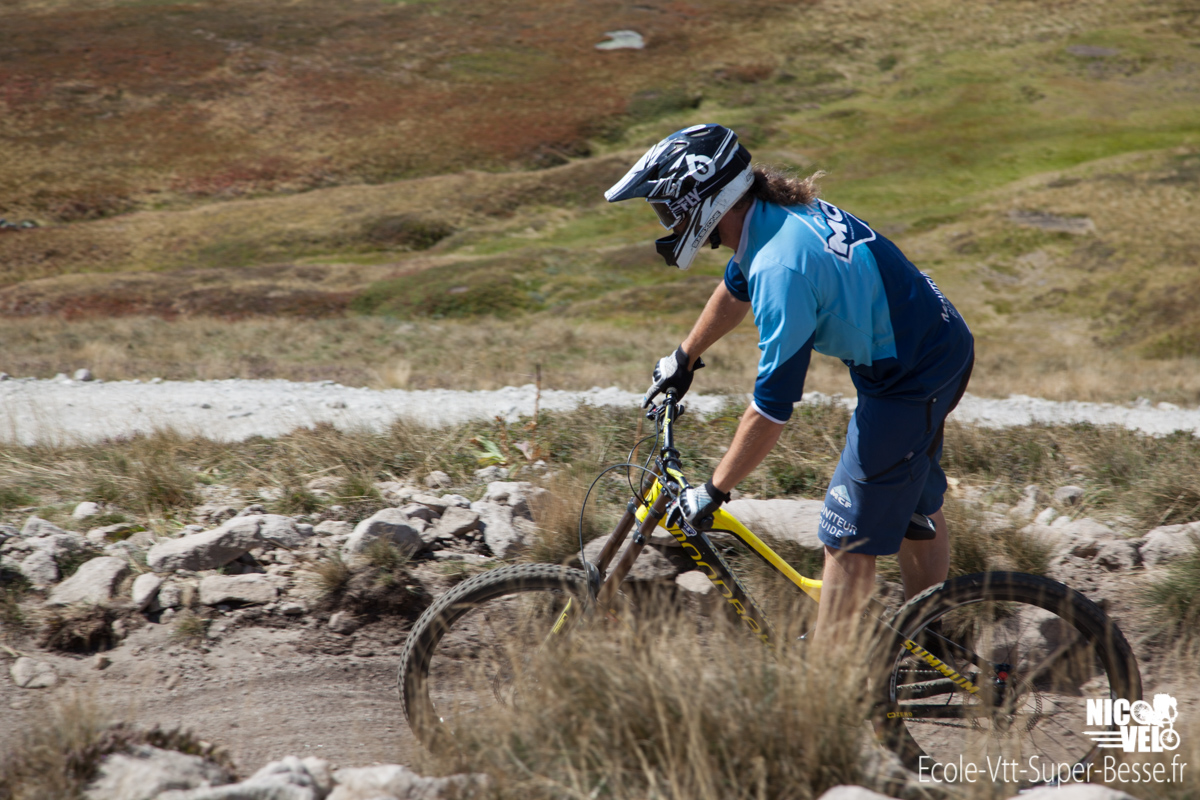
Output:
[[665, 711], [58, 757]]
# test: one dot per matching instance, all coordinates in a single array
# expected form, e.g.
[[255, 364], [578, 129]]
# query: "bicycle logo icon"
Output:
[[1162, 714]]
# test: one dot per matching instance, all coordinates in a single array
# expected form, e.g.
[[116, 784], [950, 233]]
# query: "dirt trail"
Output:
[[67, 410]]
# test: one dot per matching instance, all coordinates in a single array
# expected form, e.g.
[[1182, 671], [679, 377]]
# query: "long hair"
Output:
[[780, 187]]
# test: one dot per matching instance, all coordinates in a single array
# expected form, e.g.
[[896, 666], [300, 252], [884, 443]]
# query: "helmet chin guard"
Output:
[[693, 177]]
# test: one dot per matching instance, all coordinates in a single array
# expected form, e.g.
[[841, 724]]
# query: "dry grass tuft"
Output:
[[333, 573], [56, 759], [664, 711], [190, 628], [1176, 596], [83, 628], [13, 587], [386, 556], [556, 514]]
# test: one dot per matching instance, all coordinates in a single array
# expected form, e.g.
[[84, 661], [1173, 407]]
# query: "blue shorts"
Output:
[[890, 468]]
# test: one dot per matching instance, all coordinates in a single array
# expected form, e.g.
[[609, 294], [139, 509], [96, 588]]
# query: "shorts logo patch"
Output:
[[840, 494]]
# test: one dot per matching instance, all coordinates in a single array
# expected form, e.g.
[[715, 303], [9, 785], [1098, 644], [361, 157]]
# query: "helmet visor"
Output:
[[666, 217]]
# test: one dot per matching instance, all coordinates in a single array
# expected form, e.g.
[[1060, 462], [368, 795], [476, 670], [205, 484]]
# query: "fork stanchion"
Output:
[[609, 590]]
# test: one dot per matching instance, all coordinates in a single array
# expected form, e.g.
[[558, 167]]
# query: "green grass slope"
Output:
[[1040, 160]]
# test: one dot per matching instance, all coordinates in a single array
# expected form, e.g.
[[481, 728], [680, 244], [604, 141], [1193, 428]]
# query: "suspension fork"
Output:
[[608, 590]]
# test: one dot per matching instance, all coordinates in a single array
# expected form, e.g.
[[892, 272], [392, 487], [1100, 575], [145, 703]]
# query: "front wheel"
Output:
[[466, 652], [996, 668]]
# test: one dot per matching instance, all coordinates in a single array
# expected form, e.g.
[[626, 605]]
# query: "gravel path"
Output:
[[65, 410]]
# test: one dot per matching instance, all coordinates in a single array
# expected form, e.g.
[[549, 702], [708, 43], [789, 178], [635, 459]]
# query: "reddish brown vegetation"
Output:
[[104, 107]]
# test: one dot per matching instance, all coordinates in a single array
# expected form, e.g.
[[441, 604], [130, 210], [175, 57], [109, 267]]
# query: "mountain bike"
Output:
[[983, 666]]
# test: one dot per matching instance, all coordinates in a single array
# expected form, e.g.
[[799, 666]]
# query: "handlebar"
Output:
[[670, 465]]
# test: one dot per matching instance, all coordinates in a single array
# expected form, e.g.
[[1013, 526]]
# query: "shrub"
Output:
[[83, 628]]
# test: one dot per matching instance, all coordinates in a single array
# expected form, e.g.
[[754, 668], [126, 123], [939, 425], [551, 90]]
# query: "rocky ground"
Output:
[[278, 637]]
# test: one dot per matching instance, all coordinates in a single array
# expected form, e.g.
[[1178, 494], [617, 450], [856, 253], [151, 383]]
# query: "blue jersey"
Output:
[[821, 279]]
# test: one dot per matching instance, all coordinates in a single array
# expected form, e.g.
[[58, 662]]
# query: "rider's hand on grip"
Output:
[[671, 372], [697, 504]]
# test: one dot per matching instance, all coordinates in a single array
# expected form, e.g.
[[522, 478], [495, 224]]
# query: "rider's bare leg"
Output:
[[846, 584], [924, 563]]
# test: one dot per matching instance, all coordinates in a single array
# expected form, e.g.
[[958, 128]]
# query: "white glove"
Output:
[[671, 372]]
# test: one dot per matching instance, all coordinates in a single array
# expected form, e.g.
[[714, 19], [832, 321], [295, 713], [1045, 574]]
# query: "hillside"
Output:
[[408, 195]]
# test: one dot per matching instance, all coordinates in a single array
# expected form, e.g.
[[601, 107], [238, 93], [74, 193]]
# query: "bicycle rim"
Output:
[[996, 669], [471, 651]]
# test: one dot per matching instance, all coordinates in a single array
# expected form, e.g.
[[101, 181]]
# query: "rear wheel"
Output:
[[998, 667], [466, 652]]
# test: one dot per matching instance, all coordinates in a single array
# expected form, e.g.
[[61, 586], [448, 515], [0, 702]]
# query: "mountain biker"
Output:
[[816, 278]]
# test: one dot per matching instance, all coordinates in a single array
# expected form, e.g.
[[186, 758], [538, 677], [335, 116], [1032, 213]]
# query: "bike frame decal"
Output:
[[700, 549], [562, 618], [727, 523], [931, 660]]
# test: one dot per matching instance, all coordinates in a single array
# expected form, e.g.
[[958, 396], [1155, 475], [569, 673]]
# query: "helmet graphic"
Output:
[[694, 175]]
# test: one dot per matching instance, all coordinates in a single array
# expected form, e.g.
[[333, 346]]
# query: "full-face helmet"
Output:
[[693, 176]]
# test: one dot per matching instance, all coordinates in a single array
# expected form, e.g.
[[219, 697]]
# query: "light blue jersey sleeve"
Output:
[[785, 312]]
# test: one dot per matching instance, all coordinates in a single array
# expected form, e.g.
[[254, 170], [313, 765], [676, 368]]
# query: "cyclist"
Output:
[[817, 278]]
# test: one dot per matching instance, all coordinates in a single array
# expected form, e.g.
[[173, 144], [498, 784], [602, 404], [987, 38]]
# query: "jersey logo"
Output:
[[846, 231]]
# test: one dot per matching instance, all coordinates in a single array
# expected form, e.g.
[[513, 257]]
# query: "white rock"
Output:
[[208, 550], [287, 779], [282, 530], [489, 474], [145, 589], [420, 511], [102, 536], [1032, 498], [394, 492], [1069, 495], [58, 544], [85, 509], [84, 375], [456, 500], [393, 780], [389, 523], [696, 586], [30, 674], [170, 595], [146, 772], [36, 526], [1117, 554], [454, 523], [333, 527], [326, 483], [1047, 515], [39, 568], [93, 582], [292, 609], [517, 495], [501, 533], [852, 793], [1169, 542], [435, 504], [343, 622], [438, 480], [1076, 791], [651, 565], [781, 519], [252, 589]]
